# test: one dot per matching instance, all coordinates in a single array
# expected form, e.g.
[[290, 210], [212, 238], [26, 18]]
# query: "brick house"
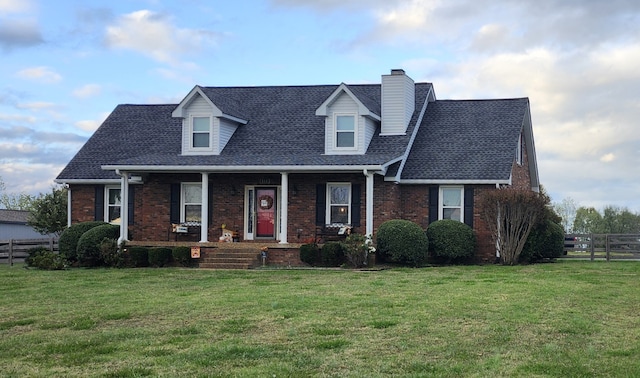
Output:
[[279, 164]]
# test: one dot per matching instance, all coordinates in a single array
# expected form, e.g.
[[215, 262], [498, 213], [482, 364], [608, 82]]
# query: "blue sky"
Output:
[[64, 65]]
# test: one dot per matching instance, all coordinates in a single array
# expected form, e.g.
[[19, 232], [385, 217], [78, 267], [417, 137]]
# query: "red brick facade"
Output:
[[151, 218]]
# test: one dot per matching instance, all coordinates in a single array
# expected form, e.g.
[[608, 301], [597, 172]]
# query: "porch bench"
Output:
[[332, 232]]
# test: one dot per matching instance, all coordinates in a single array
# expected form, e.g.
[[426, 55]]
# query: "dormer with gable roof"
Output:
[[349, 123], [207, 123]]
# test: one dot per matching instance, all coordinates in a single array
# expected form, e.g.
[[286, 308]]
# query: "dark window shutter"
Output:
[[99, 203], [468, 206], [434, 193], [321, 204], [174, 215], [356, 204], [130, 204]]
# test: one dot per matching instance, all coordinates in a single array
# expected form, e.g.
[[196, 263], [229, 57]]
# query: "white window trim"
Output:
[[107, 188], [191, 132], [328, 201], [355, 131], [183, 203], [441, 206], [519, 152]]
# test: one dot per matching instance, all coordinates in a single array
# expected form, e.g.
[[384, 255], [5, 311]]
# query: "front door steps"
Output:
[[242, 255]]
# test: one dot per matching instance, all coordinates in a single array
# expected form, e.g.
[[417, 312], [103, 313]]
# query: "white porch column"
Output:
[[369, 204], [284, 207], [124, 207], [68, 206], [204, 222]]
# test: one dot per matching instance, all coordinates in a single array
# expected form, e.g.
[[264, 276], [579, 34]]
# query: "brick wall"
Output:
[[82, 203]]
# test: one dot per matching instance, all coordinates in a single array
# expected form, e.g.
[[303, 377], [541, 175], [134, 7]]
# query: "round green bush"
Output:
[[546, 241], [310, 254], [159, 256], [403, 242], [331, 254], [139, 256], [181, 255], [451, 240], [68, 242], [89, 243]]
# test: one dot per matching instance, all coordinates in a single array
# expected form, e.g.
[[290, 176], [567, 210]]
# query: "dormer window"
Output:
[[200, 132], [345, 131]]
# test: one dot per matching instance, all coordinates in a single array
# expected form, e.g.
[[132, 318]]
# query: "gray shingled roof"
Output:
[[467, 140], [462, 140], [282, 130], [14, 216]]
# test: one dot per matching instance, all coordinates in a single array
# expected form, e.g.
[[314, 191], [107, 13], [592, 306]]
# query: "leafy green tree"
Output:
[[588, 220], [13, 201], [49, 212]]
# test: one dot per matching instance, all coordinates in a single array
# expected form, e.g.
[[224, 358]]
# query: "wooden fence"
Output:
[[602, 246], [16, 250]]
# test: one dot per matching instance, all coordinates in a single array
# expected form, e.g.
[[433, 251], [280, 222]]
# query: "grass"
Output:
[[569, 319]]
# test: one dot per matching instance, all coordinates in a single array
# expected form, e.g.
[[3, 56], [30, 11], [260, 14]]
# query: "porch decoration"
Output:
[[265, 202]]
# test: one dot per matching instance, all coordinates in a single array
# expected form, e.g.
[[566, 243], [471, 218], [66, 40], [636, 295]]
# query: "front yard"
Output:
[[571, 318]]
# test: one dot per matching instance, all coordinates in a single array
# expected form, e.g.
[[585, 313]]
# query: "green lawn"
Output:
[[567, 319]]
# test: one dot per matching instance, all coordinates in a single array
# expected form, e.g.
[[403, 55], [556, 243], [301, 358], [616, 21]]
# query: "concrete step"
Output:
[[236, 258]]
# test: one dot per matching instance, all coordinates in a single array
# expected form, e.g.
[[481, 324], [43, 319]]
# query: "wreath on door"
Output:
[[265, 202]]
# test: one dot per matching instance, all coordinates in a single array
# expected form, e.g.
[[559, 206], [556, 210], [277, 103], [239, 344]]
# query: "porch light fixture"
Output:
[[233, 190], [295, 190]]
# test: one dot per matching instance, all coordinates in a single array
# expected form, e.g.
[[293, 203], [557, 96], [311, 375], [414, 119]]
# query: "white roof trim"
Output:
[[242, 168], [180, 110], [454, 182], [86, 181], [362, 109]]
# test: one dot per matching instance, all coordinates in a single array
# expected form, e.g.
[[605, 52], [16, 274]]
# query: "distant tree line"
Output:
[[586, 220]]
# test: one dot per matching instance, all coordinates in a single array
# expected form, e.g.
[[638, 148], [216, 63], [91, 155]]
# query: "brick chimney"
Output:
[[398, 102]]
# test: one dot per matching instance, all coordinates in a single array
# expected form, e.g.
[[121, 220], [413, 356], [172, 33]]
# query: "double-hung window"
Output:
[[112, 210], [191, 207], [345, 131], [200, 132], [451, 203], [339, 203]]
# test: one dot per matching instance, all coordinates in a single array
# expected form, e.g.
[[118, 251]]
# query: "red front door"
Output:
[[266, 212]]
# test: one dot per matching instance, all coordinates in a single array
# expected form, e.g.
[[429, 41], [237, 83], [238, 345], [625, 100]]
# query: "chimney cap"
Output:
[[397, 71]]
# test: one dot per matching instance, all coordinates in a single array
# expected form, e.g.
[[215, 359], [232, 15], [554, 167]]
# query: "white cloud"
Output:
[[154, 34], [91, 125], [88, 90], [608, 158], [15, 6], [40, 74]]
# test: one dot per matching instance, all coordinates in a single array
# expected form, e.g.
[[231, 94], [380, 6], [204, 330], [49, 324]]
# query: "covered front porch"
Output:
[[261, 207]]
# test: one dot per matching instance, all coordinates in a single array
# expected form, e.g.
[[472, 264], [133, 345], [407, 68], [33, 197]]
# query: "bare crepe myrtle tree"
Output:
[[510, 215]]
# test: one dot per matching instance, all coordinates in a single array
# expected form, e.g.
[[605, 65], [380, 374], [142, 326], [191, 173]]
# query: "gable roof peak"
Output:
[[363, 109]]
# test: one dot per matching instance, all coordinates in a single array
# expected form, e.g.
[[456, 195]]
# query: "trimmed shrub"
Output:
[[139, 256], [310, 254], [89, 243], [403, 242], [331, 254], [159, 256], [68, 242], [181, 255], [356, 249], [546, 241], [43, 258], [111, 255], [451, 240]]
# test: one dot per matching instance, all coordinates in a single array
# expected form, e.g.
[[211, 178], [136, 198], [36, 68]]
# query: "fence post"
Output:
[[591, 246], [51, 243], [10, 252], [608, 248]]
